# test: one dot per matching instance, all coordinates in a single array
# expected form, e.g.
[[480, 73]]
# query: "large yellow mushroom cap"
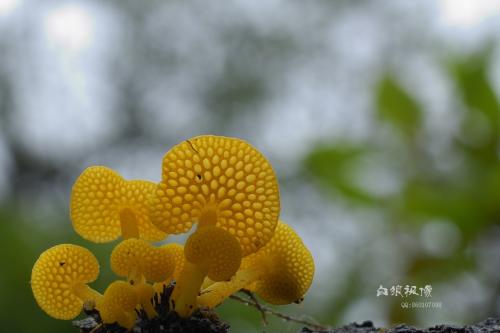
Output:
[[134, 257], [215, 249], [219, 181], [288, 267], [59, 279], [102, 202], [118, 304]]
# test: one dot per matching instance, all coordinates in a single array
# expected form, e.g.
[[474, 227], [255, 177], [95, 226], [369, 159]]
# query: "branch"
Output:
[[257, 304], [264, 309]]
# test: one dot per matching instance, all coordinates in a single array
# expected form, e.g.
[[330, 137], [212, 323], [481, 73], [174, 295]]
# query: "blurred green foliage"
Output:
[[467, 195], [395, 105]]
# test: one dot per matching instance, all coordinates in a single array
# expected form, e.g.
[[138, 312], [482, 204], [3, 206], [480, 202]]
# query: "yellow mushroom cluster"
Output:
[[224, 186]]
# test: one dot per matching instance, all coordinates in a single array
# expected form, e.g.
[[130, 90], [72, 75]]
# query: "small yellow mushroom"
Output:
[[118, 304], [177, 251], [139, 261], [59, 280], [104, 206], [210, 252], [281, 272], [218, 181]]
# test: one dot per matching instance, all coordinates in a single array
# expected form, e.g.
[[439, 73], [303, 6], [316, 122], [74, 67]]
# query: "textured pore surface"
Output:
[[136, 256], [54, 275], [217, 249], [290, 271], [97, 199], [219, 181]]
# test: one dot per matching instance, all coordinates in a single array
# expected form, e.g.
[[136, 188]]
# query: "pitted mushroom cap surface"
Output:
[[136, 256], [100, 198], [290, 271], [220, 181], [56, 274]]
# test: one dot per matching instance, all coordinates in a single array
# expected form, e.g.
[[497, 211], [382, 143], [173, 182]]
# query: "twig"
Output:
[[257, 304], [265, 309]]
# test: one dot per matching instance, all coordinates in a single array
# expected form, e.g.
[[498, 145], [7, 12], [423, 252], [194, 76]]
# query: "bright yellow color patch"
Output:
[[101, 199], [57, 273], [281, 272], [145, 293], [287, 265], [118, 304], [135, 257], [219, 181], [177, 251], [216, 249]]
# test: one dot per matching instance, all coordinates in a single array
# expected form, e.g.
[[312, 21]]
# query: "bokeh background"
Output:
[[381, 119]]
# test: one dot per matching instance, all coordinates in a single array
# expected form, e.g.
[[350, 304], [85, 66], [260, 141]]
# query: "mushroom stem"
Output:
[[85, 293], [187, 288], [208, 217], [146, 293], [217, 292], [128, 223]]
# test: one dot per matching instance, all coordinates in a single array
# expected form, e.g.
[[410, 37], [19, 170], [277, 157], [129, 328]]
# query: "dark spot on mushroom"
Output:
[[62, 263], [300, 300], [131, 282]]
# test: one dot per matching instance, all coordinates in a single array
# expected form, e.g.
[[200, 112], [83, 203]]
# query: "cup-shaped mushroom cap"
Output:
[[218, 181], [59, 279], [118, 304], [134, 257], [288, 264], [216, 250], [103, 204]]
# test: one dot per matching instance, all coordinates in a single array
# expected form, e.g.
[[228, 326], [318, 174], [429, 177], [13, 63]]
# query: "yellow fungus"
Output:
[[145, 293], [177, 251], [139, 261], [59, 280], [281, 272], [212, 180], [118, 304], [104, 206], [209, 252]]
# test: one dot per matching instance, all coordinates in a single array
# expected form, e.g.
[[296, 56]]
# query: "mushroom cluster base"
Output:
[[167, 320]]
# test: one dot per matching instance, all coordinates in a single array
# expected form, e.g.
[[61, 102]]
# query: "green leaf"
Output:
[[471, 78], [397, 106], [480, 128], [331, 165]]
